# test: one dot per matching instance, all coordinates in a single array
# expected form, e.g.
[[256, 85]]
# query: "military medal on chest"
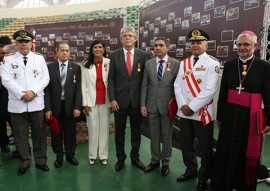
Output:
[[188, 72], [139, 67], [14, 66], [169, 67], [106, 67], [74, 78], [35, 73]]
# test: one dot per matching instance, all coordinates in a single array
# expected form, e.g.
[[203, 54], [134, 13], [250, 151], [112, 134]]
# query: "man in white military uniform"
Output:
[[25, 75], [194, 88]]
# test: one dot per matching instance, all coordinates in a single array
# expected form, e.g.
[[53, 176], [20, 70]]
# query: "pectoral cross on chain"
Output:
[[240, 88]]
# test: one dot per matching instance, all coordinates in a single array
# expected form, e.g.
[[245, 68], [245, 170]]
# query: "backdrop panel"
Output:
[[79, 36], [222, 19]]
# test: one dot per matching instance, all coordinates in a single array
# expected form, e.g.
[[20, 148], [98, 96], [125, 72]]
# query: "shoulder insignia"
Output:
[[214, 58], [217, 69]]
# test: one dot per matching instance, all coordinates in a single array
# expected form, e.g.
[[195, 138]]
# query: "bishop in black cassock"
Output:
[[239, 144]]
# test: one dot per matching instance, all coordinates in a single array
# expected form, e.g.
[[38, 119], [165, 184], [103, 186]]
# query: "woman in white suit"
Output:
[[96, 105]]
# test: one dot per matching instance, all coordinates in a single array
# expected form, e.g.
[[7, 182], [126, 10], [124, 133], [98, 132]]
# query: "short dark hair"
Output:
[[5, 40], [163, 39], [60, 43]]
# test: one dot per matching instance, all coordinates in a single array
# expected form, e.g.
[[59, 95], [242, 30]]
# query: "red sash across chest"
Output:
[[195, 90]]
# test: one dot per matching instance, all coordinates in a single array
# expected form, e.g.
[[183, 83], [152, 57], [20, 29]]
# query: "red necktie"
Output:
[[128, 63]]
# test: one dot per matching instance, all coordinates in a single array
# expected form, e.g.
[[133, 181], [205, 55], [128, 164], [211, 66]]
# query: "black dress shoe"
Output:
[[22, 170], [202, 186], [42, 167], [138, 164], [165, 170], [151, 167], [185, 177], [72, 160], [5, 149], [119, 165], [58, 162], [15, 154]]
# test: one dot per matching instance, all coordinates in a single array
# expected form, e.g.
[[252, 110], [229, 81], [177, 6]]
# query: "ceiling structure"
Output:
[[39, 3]]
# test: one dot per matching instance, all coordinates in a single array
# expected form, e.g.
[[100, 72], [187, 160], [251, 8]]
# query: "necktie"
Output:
[[195, 60], [160, 69], [128, 63], [63, 78], [25, 60]]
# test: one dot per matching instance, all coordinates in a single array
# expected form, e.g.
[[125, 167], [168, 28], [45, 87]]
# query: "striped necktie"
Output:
[[63, 79], [160, 69]]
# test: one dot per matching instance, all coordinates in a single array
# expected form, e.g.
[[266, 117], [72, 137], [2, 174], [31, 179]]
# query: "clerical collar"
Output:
[[245, 61]]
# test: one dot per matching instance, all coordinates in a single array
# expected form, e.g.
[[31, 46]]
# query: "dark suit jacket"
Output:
[[3, 100], [122, 88], [73, 93]]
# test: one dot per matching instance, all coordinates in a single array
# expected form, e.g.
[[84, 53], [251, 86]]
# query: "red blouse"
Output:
[[100, 86]]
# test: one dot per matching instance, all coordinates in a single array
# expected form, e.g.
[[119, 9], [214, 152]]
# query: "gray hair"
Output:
[[128, 29], [10, 48], [253, 37]]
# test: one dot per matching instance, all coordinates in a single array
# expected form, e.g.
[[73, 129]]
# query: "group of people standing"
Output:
[[132, 85]]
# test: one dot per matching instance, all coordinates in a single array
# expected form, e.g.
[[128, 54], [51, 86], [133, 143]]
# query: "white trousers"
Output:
[[98, 131]]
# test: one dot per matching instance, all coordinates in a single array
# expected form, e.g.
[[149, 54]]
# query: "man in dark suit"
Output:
[[4, 114], [63, 100], [157, 91], [124, 86]]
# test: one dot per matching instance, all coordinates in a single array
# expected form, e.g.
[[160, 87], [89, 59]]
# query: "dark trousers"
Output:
[[67, 135], [21, 123], [4, 118], [120, 126], [189, 130]]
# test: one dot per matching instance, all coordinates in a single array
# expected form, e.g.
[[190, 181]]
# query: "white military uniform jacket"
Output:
[[89, 78], [206, 74], [17, 77]]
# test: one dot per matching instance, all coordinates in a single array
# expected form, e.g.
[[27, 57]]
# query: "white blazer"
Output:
[[89, 78]]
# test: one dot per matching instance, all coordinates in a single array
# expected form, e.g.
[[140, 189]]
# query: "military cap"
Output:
[[22, 35], [197, 35]]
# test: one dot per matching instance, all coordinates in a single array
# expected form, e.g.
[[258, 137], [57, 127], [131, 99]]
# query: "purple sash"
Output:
[[254, 101]]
